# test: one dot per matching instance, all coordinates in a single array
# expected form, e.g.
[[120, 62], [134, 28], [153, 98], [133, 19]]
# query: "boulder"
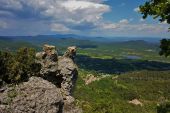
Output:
[[136, 102], [35, 96]]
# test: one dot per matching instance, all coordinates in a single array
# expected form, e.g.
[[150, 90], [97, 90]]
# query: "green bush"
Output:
[[19, 66], [163, 108]]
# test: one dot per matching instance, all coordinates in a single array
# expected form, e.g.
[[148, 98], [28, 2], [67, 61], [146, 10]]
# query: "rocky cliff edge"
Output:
[[51, 91]]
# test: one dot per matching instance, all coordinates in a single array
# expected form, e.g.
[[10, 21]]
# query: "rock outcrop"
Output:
[[51, 92], [36, 95], [136, 102], [60, 70], [68, 72], [91, 78], [71, 52], [48, 60]]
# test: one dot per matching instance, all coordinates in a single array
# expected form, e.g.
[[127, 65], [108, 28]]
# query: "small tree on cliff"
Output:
[[24, 65], [19, 66], [6, 60], [158, 9]]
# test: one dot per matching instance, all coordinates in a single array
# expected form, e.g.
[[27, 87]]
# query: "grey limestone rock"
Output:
[[48, 59], [71, 52], [68, 70], [35, 96], [49, 93]]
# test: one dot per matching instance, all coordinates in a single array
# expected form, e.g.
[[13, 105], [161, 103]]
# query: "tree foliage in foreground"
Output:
[[19, 66], [158, 9], [165, 47]]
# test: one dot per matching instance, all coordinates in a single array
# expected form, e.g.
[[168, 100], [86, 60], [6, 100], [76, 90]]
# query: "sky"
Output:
[[106, 18]]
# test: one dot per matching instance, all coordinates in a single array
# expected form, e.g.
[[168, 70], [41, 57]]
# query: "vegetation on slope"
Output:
[[111, 95], [145, 79]]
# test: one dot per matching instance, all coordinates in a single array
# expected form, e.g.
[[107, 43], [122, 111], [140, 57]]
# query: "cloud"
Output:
[[66, 16], [59, 28], [6, 14], [69, 15], [124, 28], [136, 9], [143, 28], [107, 26], [122, 4], [150, 28], [3, 24], [124, 21], [142, 20], [11, 4]]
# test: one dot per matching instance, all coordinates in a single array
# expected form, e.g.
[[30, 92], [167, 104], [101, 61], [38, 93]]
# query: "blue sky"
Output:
[[109, 18]]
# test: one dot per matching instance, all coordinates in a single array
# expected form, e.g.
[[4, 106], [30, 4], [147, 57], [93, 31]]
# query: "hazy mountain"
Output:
[[43, 38]]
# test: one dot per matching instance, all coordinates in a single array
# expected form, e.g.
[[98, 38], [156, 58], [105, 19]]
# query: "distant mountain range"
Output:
[[63, 41], [63, 36]]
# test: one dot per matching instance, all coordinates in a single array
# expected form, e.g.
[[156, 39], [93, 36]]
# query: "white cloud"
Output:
[[136, 9], [108, 26], [124, 21], [124, 28], [65, 12], [142, 20], [80, 5], [152, 29], [77, 11], [67, 16]]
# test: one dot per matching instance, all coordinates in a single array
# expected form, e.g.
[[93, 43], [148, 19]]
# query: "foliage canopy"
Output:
[[165, 47], [158, 9]]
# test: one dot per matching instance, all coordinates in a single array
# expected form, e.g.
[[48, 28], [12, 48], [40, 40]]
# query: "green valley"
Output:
[[128, 71]]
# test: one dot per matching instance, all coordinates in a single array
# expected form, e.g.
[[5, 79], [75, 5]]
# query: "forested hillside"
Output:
[[115, 77]]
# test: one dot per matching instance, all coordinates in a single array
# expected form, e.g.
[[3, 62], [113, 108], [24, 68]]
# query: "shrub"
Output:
[[163, 108], [19, 66]]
